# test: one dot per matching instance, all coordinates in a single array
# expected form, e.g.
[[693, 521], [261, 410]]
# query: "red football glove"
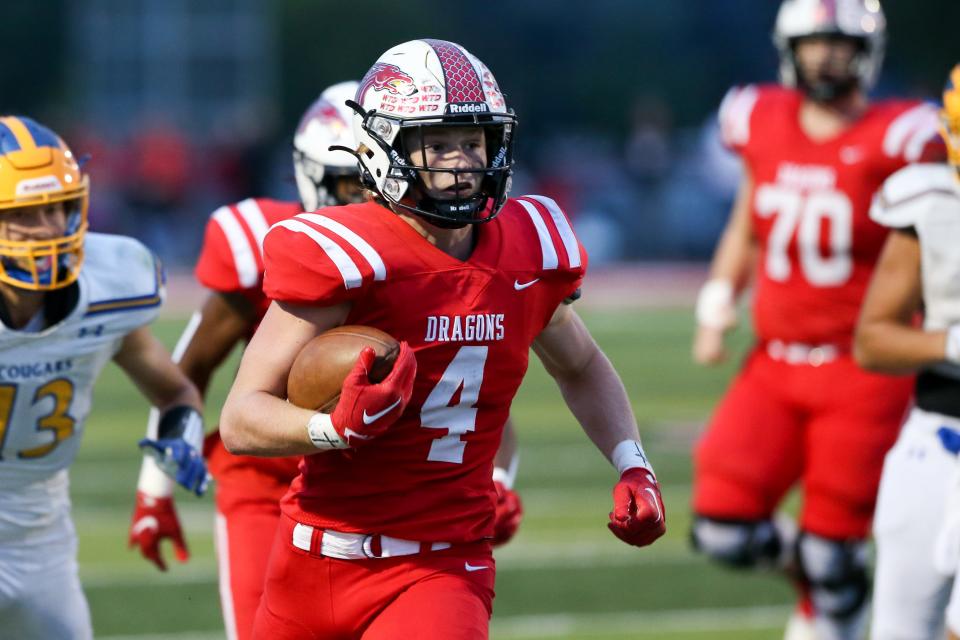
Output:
[[365, 409], [508, 515], [638, 517], [155, 519]]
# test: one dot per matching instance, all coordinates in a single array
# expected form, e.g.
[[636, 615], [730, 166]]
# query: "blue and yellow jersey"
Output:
[[47, 377]]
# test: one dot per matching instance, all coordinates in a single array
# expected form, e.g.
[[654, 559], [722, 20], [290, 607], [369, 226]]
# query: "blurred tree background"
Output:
[[581, 63], [559, 61], [187, 105]]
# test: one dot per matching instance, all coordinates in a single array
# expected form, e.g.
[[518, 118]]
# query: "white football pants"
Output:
[[910, 591], [40, 594]]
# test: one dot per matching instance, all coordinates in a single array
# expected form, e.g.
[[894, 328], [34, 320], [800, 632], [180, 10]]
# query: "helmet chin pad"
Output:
[[450, 214]]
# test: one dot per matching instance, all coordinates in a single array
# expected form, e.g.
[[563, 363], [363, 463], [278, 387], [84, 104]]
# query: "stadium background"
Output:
[[184, 106]]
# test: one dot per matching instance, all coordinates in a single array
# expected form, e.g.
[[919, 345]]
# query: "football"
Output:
[[323, 364]]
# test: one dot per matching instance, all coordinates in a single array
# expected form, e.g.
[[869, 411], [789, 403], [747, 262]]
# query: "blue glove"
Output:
[[178, 448], [950, 438], [179, 460]]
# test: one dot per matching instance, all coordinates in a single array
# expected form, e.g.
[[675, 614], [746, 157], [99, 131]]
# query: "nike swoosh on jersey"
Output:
[[471, 568], [368, 419], [521, 287]]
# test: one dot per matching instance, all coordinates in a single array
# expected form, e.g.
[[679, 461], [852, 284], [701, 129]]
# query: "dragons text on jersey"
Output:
[[431, 478]]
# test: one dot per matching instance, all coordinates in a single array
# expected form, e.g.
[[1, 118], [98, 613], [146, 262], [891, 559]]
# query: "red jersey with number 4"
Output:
[[231, 261], [810, 205], [470, 324]]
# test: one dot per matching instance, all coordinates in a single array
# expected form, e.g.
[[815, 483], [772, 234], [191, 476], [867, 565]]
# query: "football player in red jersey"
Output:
[[386, 531], [231, 267], [801, 410]]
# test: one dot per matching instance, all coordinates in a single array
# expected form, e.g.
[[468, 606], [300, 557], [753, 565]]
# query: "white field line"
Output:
[[647, 622], [553, 625], [556, 560], [200, 516], [654, 285], [556, 557]]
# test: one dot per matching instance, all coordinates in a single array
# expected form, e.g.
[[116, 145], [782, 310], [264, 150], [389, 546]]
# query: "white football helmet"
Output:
[[316, 167], [859, 20], [432, 83]]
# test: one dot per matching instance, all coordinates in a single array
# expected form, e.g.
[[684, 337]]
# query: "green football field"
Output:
[[563, 576]]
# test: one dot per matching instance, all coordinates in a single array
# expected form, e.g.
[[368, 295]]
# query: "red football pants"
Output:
[[244, 536], [827, 427], [430, 596]]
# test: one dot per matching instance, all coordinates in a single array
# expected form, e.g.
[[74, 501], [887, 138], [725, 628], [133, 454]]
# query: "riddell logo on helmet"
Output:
[[386, 77], [467, 107], [42, 184]]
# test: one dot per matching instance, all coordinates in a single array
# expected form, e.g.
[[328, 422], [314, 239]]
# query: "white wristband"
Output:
[[629, 455], [153, 481], [322, 434], [715, 305], [952, 350], [507, 476]]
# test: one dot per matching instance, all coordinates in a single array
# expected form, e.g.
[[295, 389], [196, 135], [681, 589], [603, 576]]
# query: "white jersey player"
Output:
[[917, 534], [69, 303]]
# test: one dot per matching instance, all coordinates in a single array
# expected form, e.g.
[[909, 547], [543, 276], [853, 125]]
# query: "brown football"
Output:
[[322, 365]]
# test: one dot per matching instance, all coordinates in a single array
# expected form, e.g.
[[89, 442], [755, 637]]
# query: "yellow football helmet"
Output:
[[37, 168], [950, 117]]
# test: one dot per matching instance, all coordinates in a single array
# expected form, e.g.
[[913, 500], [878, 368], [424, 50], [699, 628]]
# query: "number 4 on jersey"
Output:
[[463, 374]]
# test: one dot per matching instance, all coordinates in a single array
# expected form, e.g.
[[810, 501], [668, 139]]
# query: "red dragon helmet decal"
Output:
[[386, 77]]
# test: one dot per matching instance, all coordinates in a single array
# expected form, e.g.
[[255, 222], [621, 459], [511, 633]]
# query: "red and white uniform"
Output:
[[801, 408], [248, 488], [471, 324]]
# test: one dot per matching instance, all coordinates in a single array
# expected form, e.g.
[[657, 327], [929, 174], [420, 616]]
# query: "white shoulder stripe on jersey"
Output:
[[904, 126], [735, 112], [546, 242], [255, 219], [348, 269], [362, 246], [563, 227], [925, 131], [244, 259]]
